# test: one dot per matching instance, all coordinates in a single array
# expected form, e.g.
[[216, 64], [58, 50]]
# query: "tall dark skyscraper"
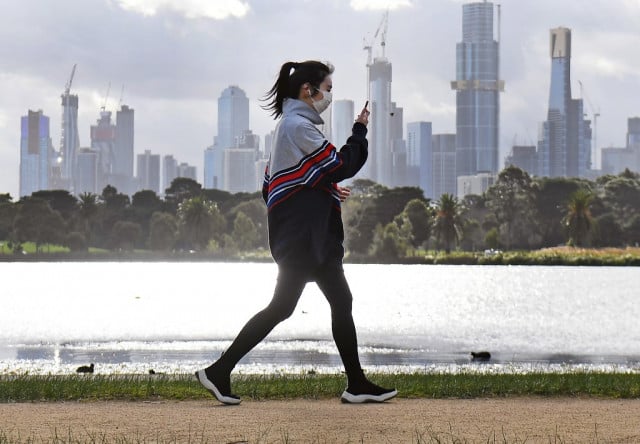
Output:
[[478, 88], [565, 148]]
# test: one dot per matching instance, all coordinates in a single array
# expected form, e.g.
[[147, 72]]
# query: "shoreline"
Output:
[[561, 256]]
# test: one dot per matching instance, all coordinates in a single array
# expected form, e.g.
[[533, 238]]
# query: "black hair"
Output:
[[288, 83]]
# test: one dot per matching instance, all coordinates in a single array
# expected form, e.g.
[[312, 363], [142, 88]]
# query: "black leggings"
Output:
[[290, 284]]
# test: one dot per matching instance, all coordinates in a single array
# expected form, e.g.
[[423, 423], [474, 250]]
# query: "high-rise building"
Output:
[[478, 88], [633, 132], [616, 160], [69, 138], [564, 149], [268, 144], [239, 164], [524, 157], [210, 177], [239, 170], [86, 172], [379, 166], [36, 153], [420, 157], [343, 118], [148, 168], [444, 165], [233, 119], [475, 184], [169, 170], [103, 142], [121, 175], [398, 147], [187, 171]]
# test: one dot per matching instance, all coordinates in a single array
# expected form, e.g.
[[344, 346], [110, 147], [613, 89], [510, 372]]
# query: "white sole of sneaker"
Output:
[[210, 386], [361, 399]]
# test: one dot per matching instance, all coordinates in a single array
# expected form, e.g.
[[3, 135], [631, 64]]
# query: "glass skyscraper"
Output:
[[564, 149], [420, 157], [36, 153], [70, 140], [379, 166], [233, 119], [478, 88]]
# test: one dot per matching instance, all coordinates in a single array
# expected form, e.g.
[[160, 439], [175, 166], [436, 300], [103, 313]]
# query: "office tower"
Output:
[[616, 160], [379, 166], [36, 153], [87, 172], [69, 136], [239, 170], [187, 171], [633, 132], [444, 165], [210, 177], [169, 171], [524, 157], [564, 149], [420, 157], [233, 119], [121, 175], [343, 118], [148, 167], [398, 147], [268, 144], [103, 142], [633, 140], [476, 184], [239, 164], [478, 88]]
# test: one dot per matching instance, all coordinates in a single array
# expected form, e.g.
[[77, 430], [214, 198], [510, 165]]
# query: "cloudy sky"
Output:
[[174, 57]]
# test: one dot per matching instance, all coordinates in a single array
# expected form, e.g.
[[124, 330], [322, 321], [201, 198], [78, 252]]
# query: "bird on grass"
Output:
[[482, 356], [85, 369]]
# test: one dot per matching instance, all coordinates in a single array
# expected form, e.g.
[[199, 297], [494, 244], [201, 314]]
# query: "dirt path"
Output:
[[327, 421]]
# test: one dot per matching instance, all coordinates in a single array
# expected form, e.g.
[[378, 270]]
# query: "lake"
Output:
[[177, 317]]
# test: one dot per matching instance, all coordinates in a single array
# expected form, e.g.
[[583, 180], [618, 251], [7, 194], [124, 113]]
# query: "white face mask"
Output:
[[322, 104]]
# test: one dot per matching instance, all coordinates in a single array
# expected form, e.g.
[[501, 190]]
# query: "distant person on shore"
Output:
[[305, 225]]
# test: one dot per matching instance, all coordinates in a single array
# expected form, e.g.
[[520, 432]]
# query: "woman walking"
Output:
[[305, 226]]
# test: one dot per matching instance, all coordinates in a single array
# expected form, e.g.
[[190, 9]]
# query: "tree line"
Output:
[[518, 212]]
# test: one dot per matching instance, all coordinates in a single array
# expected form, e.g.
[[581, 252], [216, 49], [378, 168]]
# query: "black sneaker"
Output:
[[221, 393], [367, 392]]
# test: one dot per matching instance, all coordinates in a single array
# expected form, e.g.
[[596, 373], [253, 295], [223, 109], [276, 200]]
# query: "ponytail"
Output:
[[288, 83]]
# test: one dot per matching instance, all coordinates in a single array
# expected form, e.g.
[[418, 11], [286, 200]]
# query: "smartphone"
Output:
[[366, 104]]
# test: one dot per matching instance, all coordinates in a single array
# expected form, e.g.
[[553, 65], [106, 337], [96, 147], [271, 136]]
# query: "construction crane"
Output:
[[121, 96], [106, 97], [67, 87], [382, 32], [63, 122], [596, 113], [368, 44]]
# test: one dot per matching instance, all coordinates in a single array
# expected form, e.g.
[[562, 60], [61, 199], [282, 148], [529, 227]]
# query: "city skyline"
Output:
[[174, 90]]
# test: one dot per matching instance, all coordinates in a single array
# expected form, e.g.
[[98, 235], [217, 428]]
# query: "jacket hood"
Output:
[[296, 106]]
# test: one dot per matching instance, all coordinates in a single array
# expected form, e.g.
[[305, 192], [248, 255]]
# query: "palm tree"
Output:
[[578, 219], [448, 224], [200, 220]]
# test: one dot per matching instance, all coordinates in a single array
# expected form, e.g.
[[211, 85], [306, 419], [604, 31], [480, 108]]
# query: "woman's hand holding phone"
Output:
[[363, 117]]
